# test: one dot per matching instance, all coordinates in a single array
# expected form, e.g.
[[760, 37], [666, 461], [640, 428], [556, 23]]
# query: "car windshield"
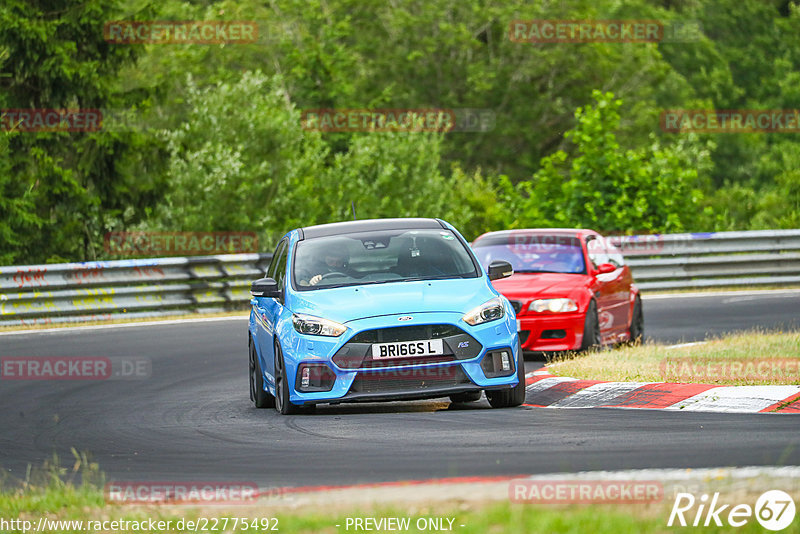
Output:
[[380, 257], [533, 253]]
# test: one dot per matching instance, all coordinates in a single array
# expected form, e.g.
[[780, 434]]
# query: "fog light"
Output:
[[497, 363], [312, 377]]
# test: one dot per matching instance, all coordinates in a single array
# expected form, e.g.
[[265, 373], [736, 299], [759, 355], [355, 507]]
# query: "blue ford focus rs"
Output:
[[376, 310]]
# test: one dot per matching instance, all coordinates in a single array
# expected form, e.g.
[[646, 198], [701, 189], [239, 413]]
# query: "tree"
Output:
[[602, 186], [68, 184]]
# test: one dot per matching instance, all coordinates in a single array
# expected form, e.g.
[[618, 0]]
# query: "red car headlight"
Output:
[[559, 305]]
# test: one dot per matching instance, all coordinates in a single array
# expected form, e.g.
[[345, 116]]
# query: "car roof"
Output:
[[566, 231], [367, 225]]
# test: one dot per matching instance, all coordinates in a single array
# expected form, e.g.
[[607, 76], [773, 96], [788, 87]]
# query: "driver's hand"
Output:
[[315, 279]]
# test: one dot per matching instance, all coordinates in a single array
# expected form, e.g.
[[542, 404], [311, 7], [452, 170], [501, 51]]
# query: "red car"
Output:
[[571, 289]]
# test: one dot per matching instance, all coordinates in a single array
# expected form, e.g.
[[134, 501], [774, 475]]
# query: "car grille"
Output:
[[416, 379], [356, 353], [402, 362], [407, 333]]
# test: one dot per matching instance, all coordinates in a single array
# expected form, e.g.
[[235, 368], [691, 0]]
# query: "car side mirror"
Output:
[[265, 287], [604, 268], [500, 269]]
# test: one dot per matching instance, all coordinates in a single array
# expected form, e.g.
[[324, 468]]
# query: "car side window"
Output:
[[280, 268], [273, 265], [596, 251]]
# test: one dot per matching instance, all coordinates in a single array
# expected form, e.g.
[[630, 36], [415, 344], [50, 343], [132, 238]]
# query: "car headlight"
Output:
[[491, 310], [553, 305], [315, 326]]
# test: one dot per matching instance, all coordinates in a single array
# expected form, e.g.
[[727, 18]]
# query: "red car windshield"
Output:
[[532, 253]]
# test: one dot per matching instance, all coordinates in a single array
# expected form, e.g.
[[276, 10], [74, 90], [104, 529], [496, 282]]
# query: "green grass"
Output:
[[54, 492], [498, 517], [728, 356]]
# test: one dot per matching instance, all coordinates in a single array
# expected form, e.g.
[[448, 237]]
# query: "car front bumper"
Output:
[[405, 378], [551, 332]]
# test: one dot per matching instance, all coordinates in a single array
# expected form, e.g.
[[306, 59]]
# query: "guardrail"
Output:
[[718, 259], [91, 291]]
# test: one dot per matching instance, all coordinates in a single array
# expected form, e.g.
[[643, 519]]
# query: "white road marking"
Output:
[[735, 399], [701, 474], [692, 344], [598, 394], [547, 383]]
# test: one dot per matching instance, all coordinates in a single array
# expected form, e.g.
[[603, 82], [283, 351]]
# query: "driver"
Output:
[[333, 261]]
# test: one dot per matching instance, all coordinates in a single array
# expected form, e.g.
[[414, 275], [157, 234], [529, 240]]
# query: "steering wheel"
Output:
[[332, 273]]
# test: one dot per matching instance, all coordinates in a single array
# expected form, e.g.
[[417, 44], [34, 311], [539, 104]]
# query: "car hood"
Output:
[[346, 304], [524, 285]]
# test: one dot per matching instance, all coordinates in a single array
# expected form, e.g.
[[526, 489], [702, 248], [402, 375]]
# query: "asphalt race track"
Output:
[[192, 418], [676, 318]]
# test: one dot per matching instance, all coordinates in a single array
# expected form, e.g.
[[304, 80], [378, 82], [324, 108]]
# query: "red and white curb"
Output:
[[545, 390]]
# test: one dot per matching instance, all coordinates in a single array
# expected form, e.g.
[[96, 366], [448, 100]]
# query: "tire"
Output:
[[469, 396], [260, 397], [508, 398], [591, 329], [282, 404], [636, 328]]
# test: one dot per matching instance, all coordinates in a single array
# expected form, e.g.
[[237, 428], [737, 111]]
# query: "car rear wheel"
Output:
[[469, 396], [506, 398], [282, 404], [636, 329], [260, 397], [591, 329]]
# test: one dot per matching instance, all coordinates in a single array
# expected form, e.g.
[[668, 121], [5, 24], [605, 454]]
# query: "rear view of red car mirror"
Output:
[[604, 268]]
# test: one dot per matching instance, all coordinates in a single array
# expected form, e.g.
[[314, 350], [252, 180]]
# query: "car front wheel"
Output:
[[260, 397], [591, 329], [282, 404], [506, 398], [636, 329]]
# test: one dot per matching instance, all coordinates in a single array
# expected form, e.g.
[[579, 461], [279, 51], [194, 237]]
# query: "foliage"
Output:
[[62, 187], [223, 148], [602, 186]]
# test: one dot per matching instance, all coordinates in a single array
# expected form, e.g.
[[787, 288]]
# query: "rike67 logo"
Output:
[[774, 510]]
